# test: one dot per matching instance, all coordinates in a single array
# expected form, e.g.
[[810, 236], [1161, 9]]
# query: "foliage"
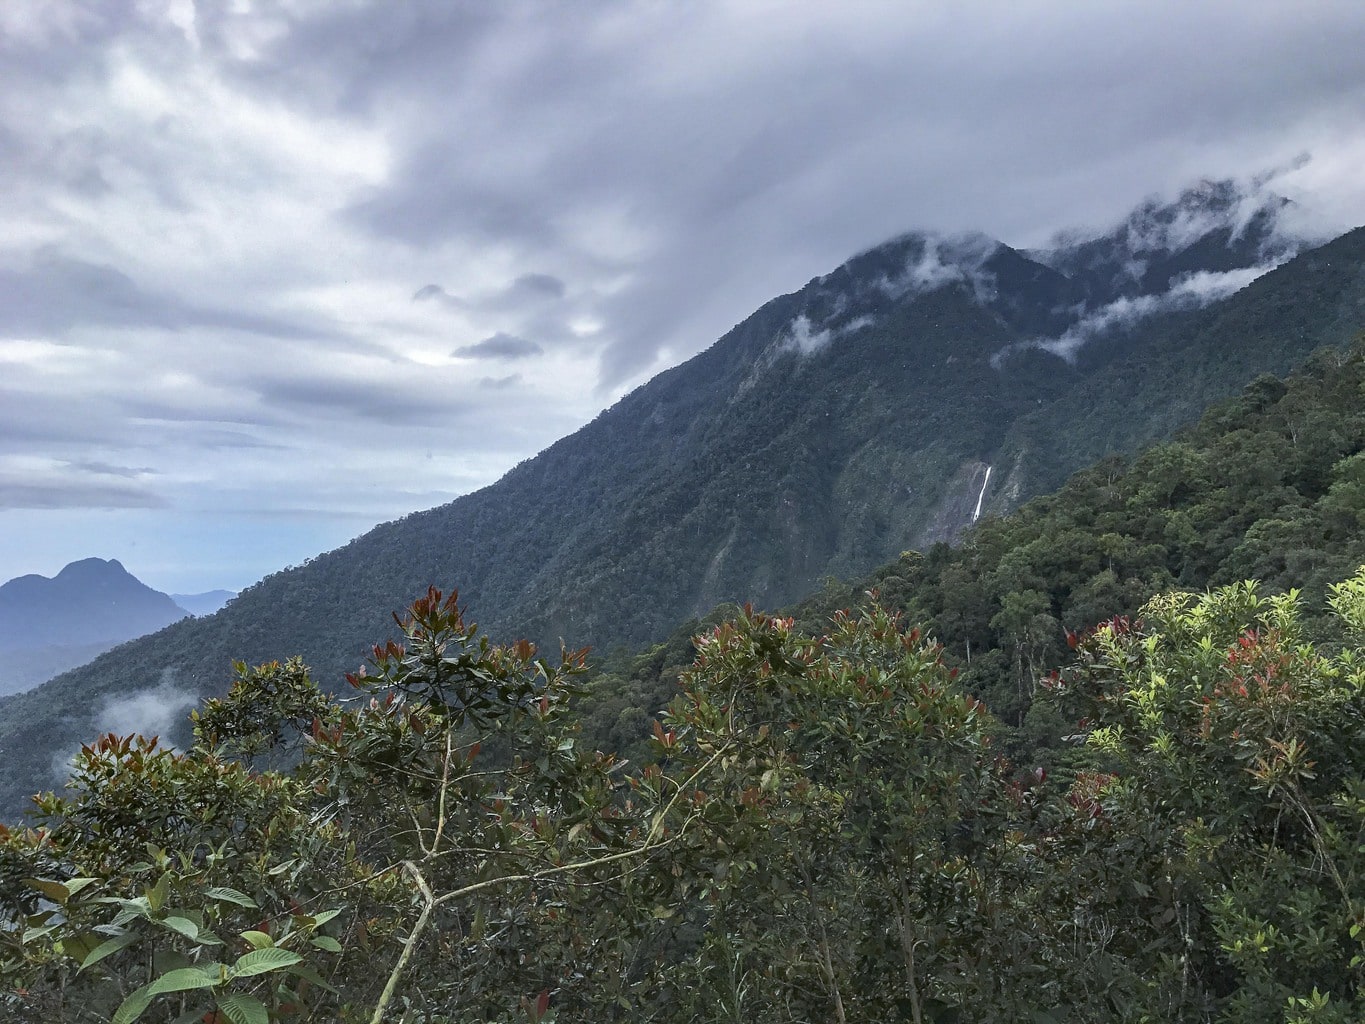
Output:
[[166, 886], [1237, 778], [826, 832]]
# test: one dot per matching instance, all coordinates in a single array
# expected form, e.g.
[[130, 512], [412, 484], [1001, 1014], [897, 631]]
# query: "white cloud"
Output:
[[1190, 291], [154, 711]]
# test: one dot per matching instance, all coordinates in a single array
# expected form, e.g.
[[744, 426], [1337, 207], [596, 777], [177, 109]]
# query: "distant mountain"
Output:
[[206, 603], [90, 601], [884, 406], [48, 626]]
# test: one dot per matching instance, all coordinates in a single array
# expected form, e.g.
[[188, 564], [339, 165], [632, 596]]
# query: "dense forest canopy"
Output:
[[826, 832]]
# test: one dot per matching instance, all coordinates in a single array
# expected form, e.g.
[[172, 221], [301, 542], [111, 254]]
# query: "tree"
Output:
[[1236, 783], [857, 785], [434, 833]]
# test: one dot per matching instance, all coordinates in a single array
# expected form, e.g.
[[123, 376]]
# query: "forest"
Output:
[[1102, 761]]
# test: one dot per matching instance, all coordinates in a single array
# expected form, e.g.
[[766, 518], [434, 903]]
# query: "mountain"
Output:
[[883, 406], [48, 626], [206, 603], [1269, 485]]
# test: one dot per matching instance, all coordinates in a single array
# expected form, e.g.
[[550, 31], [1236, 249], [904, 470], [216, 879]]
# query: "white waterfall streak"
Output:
[[977, 514]]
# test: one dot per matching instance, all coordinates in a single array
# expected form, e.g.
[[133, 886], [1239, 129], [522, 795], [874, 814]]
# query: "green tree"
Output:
[[442, 850], [1237, 786]]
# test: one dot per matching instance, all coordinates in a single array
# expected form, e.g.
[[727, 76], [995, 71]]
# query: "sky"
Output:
[[272, 273]]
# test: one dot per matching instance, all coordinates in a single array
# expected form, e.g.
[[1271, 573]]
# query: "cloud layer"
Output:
[[266, 268]]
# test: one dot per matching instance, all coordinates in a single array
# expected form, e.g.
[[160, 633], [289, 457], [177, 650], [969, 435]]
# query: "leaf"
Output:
[[313, 977], [184, 926], [53, 890], [37, 933], [226, 895], [258, 940], [324, 917], [107, 948], [156, 895], [243, 1009], [183, 979], [328, 943], [132, 1007], [262, 961], [129, 909]]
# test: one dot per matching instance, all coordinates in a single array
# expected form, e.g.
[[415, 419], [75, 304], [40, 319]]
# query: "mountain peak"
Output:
[[1205, 209], [88, 569]]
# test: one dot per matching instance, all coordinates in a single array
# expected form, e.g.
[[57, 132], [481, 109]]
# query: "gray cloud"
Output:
[[75, 493], [108, 469], [526, 290], [232, 229], [56, 293], [546, 285], [435, 293], [390, 402], [499, 346]]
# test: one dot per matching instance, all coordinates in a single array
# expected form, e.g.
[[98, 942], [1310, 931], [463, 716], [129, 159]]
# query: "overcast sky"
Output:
[[271, 273]]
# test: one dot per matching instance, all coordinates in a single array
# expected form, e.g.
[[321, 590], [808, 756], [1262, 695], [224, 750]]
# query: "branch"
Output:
[[428, 903]]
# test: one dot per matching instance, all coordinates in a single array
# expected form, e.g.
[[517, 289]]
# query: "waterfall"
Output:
[[977, 514]]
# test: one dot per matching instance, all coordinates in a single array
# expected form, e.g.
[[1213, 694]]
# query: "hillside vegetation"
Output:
[[1268, 486]]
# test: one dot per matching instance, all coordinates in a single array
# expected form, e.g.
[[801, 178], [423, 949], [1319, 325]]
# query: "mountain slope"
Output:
[[1270, 485], [206, 603], [833, 428]]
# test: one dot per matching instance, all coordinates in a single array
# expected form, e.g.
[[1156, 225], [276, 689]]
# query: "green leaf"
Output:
[[108, 948], [132, 1007], [328, 943], [186, 978], [324, 917], [184, 926], [308, 974], [156, 895], [182, 980], [226, 895], [262, 961], [78, 947], [257, 940], [37, 933], [129, 909], [243, 1009], [75, 885]]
